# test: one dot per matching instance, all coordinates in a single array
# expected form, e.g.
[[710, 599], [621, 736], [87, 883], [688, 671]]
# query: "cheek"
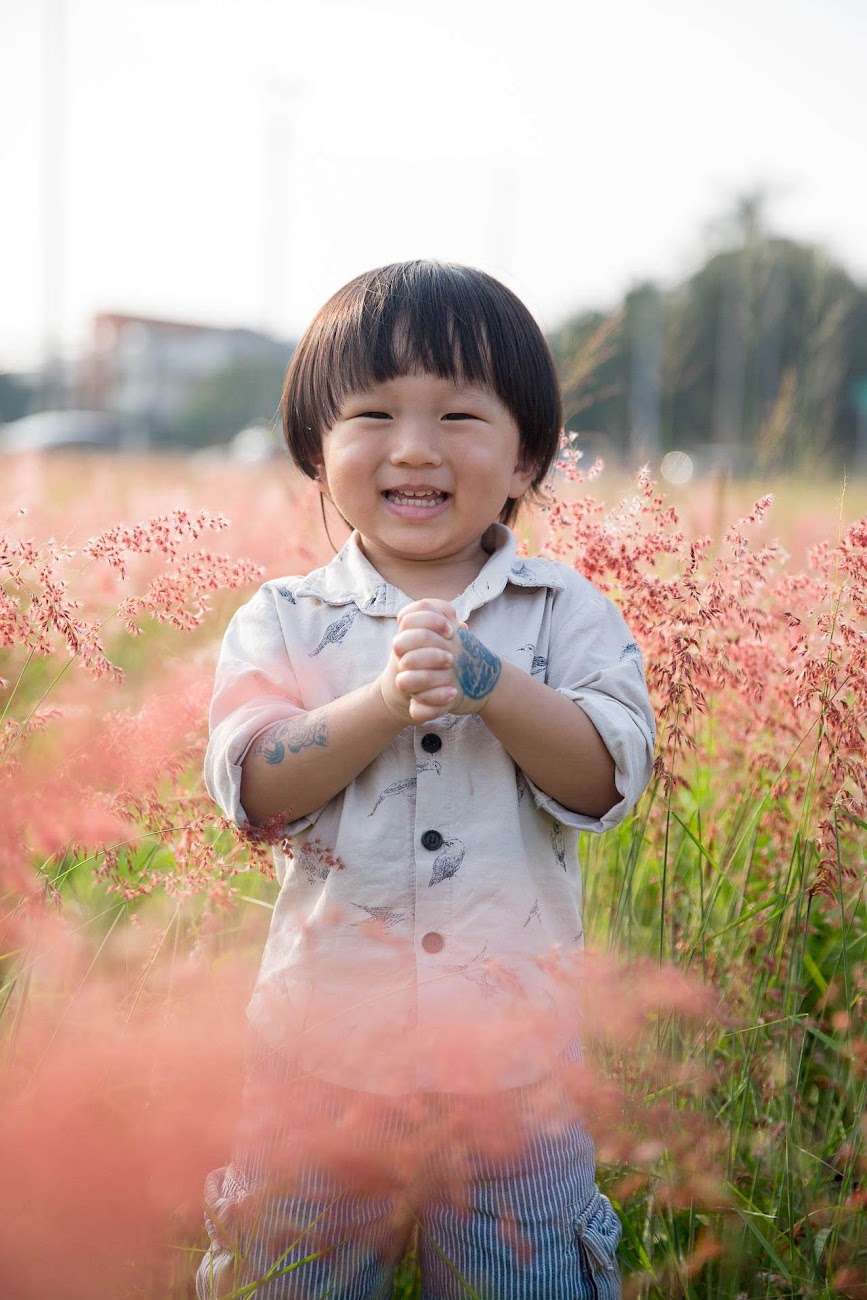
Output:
[[491, 465], [347, 455], [349, 473]]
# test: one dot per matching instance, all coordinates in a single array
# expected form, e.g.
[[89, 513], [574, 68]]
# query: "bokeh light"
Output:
[[676, 467]]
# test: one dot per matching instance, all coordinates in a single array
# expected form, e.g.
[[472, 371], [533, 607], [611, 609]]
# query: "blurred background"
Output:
[[676, 190]]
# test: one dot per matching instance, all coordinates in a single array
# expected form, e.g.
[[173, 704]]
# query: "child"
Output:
[[431, 720]]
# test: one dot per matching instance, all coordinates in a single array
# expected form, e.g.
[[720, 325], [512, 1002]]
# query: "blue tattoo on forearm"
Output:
[[477, 668], [294, 736]]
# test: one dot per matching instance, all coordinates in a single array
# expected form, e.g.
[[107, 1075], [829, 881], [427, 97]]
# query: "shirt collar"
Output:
[[350, 578]]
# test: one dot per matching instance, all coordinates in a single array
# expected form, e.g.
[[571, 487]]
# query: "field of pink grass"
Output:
[[726, 1069]]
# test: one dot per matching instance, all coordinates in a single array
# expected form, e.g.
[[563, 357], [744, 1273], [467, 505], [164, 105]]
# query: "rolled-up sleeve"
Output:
[[595, 661], [254, 687]]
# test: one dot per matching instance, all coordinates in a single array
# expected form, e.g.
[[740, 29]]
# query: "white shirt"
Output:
[[416, 908]]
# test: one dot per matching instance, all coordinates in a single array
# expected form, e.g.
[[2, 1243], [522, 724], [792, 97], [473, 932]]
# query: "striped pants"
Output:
[[514, 1217]]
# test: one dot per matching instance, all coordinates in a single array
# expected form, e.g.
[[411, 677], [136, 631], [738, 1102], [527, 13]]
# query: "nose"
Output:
[[415, 442]]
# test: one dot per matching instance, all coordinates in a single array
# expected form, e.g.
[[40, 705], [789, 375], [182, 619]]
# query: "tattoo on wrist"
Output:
[[477, 668], [296, 735]]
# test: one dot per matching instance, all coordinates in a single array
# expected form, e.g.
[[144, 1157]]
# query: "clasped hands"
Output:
[[436, 665]]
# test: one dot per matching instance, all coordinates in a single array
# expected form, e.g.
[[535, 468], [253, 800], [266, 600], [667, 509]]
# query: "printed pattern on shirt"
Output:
[[388, 916], [538, 663], [336, 631], [447, 863], [534, 911], [377, 597], [316, 860], [405, 787], [450, 720], [477, 971], [558, 844]]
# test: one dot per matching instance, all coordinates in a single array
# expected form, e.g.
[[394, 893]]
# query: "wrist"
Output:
[[477, 670], [497, 699], [395, 713]]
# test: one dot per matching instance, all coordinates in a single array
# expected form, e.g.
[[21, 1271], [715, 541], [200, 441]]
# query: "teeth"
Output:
[[426, 498]]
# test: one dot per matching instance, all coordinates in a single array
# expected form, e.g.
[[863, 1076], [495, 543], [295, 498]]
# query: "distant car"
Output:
[[60, 430]]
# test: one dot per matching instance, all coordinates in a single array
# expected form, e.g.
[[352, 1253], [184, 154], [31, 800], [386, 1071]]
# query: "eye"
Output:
[[459, 415], [373, 415]]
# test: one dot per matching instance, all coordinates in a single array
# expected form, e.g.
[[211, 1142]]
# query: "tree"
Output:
[[246, 391], [16, 397], [760, 352]]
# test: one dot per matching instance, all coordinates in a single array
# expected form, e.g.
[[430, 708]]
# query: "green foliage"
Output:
[[758, 353], [786, 1063], [15, 398], [246, 391]]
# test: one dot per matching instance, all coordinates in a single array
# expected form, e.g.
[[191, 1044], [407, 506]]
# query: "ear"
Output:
[[522, 476], [319, 476]]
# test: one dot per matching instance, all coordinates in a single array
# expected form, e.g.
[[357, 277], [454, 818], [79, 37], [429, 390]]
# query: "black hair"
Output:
[[451, 321]]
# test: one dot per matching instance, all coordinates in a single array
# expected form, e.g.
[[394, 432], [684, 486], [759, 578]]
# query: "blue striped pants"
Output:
[[526, 1222]]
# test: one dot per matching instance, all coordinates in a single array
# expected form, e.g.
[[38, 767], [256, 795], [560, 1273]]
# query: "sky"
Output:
[[236, 161]]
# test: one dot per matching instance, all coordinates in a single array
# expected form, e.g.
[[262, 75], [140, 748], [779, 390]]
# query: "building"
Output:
[[146, 370]]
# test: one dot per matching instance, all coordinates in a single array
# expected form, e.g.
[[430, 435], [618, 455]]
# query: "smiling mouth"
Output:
[[426, 498]]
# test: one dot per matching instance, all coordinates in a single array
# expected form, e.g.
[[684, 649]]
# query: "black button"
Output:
[[431, 743], [432, 840], [433, 942]]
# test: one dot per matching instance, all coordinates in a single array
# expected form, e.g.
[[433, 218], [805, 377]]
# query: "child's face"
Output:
[[422, 466]]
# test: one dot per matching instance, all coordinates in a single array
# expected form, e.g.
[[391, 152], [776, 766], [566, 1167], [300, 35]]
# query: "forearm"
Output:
[[298, 765], [553, 741]]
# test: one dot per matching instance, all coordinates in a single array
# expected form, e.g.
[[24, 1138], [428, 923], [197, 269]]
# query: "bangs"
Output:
[[394, 325]]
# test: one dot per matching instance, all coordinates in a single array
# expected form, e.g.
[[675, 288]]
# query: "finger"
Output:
[[435, 697], [428, 657], [426, 712], [421, 680], [420, 638], [431, 619]]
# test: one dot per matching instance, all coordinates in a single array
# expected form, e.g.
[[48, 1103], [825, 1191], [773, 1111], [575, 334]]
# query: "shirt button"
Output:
[[432, 840], [431, 743], [433, 942]]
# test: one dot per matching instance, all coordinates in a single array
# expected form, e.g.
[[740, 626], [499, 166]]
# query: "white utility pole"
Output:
[[280, 97], [53, 199]]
